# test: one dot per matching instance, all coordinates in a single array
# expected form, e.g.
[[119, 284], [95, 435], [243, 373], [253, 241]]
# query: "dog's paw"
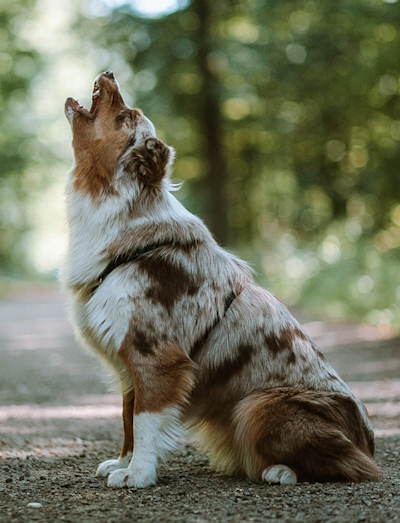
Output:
[[105, 468], [130, 477], [279, 474]]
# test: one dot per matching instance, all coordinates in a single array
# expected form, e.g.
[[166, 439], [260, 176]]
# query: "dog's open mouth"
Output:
[[95, 100]]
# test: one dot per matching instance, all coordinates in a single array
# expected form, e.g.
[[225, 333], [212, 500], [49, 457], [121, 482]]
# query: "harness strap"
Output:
[[122, 259]]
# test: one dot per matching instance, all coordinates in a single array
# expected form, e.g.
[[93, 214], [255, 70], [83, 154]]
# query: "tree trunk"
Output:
[[210, 123]]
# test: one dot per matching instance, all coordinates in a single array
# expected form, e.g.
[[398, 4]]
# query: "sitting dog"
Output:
[[191, 338]]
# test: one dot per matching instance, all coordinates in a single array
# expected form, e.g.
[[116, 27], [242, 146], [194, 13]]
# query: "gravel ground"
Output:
[[58, 422]]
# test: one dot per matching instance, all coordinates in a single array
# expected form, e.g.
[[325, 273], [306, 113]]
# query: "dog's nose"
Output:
[[109, 74]]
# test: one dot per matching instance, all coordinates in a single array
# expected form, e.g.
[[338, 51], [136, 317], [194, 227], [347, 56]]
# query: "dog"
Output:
[[190, 337]]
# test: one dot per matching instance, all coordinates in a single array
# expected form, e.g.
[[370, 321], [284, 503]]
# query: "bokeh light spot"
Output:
[[365, 284], [236, 108], [296, 53]]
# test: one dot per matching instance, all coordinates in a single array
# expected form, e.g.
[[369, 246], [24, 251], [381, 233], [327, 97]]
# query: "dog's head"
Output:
[[110, 133]]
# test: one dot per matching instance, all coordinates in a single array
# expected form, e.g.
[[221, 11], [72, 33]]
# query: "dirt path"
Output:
[[57, 422]]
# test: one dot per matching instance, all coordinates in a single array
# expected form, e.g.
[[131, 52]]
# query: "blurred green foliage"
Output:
[[286, 121], [308, 96], [18, 66]]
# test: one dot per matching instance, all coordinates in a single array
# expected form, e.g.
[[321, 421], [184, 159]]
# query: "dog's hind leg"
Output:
[[124, 458], [163, 379]]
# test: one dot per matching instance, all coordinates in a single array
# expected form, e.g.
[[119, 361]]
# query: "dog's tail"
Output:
[[320, 436]]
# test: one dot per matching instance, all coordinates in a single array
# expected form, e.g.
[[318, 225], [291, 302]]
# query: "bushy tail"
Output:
[[319, 435], [324, 453]]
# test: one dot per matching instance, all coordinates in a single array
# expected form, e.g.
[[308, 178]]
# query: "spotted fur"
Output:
[[190, 337]]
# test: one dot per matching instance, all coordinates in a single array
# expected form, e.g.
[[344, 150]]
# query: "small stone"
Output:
[[32, 504], [367, 502], [361, 517]]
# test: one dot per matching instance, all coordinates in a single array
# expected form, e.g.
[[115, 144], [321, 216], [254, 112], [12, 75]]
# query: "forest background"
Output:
[[285, 116]]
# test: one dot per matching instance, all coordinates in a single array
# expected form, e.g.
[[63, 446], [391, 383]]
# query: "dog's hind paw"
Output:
[[131, 478], [279, 475], [105, 468]]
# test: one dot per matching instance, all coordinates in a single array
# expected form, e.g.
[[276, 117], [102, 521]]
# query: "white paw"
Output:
[[279, 474], [105, 468], [130, 477]]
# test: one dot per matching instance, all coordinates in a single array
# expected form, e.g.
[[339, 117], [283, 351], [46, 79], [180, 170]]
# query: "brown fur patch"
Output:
[[96, 156], [143, 341], [92, 177], [149, 161], [127, 418], [229, 368], [100, 139], [169, 280], [278, 343], [161, 380], [127, 116]]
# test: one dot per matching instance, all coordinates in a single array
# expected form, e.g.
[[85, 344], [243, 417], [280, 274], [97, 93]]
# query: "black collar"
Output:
[[125, 257]]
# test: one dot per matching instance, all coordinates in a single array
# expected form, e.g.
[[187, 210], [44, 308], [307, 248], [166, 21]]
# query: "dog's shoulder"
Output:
[[177, 239]]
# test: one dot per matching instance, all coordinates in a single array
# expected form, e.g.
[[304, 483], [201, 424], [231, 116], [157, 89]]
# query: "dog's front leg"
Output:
[[154, 434], [163, 380], [105, 468]]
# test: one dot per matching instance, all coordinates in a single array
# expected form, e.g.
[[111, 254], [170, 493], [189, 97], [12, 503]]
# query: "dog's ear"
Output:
[[149, 161]]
